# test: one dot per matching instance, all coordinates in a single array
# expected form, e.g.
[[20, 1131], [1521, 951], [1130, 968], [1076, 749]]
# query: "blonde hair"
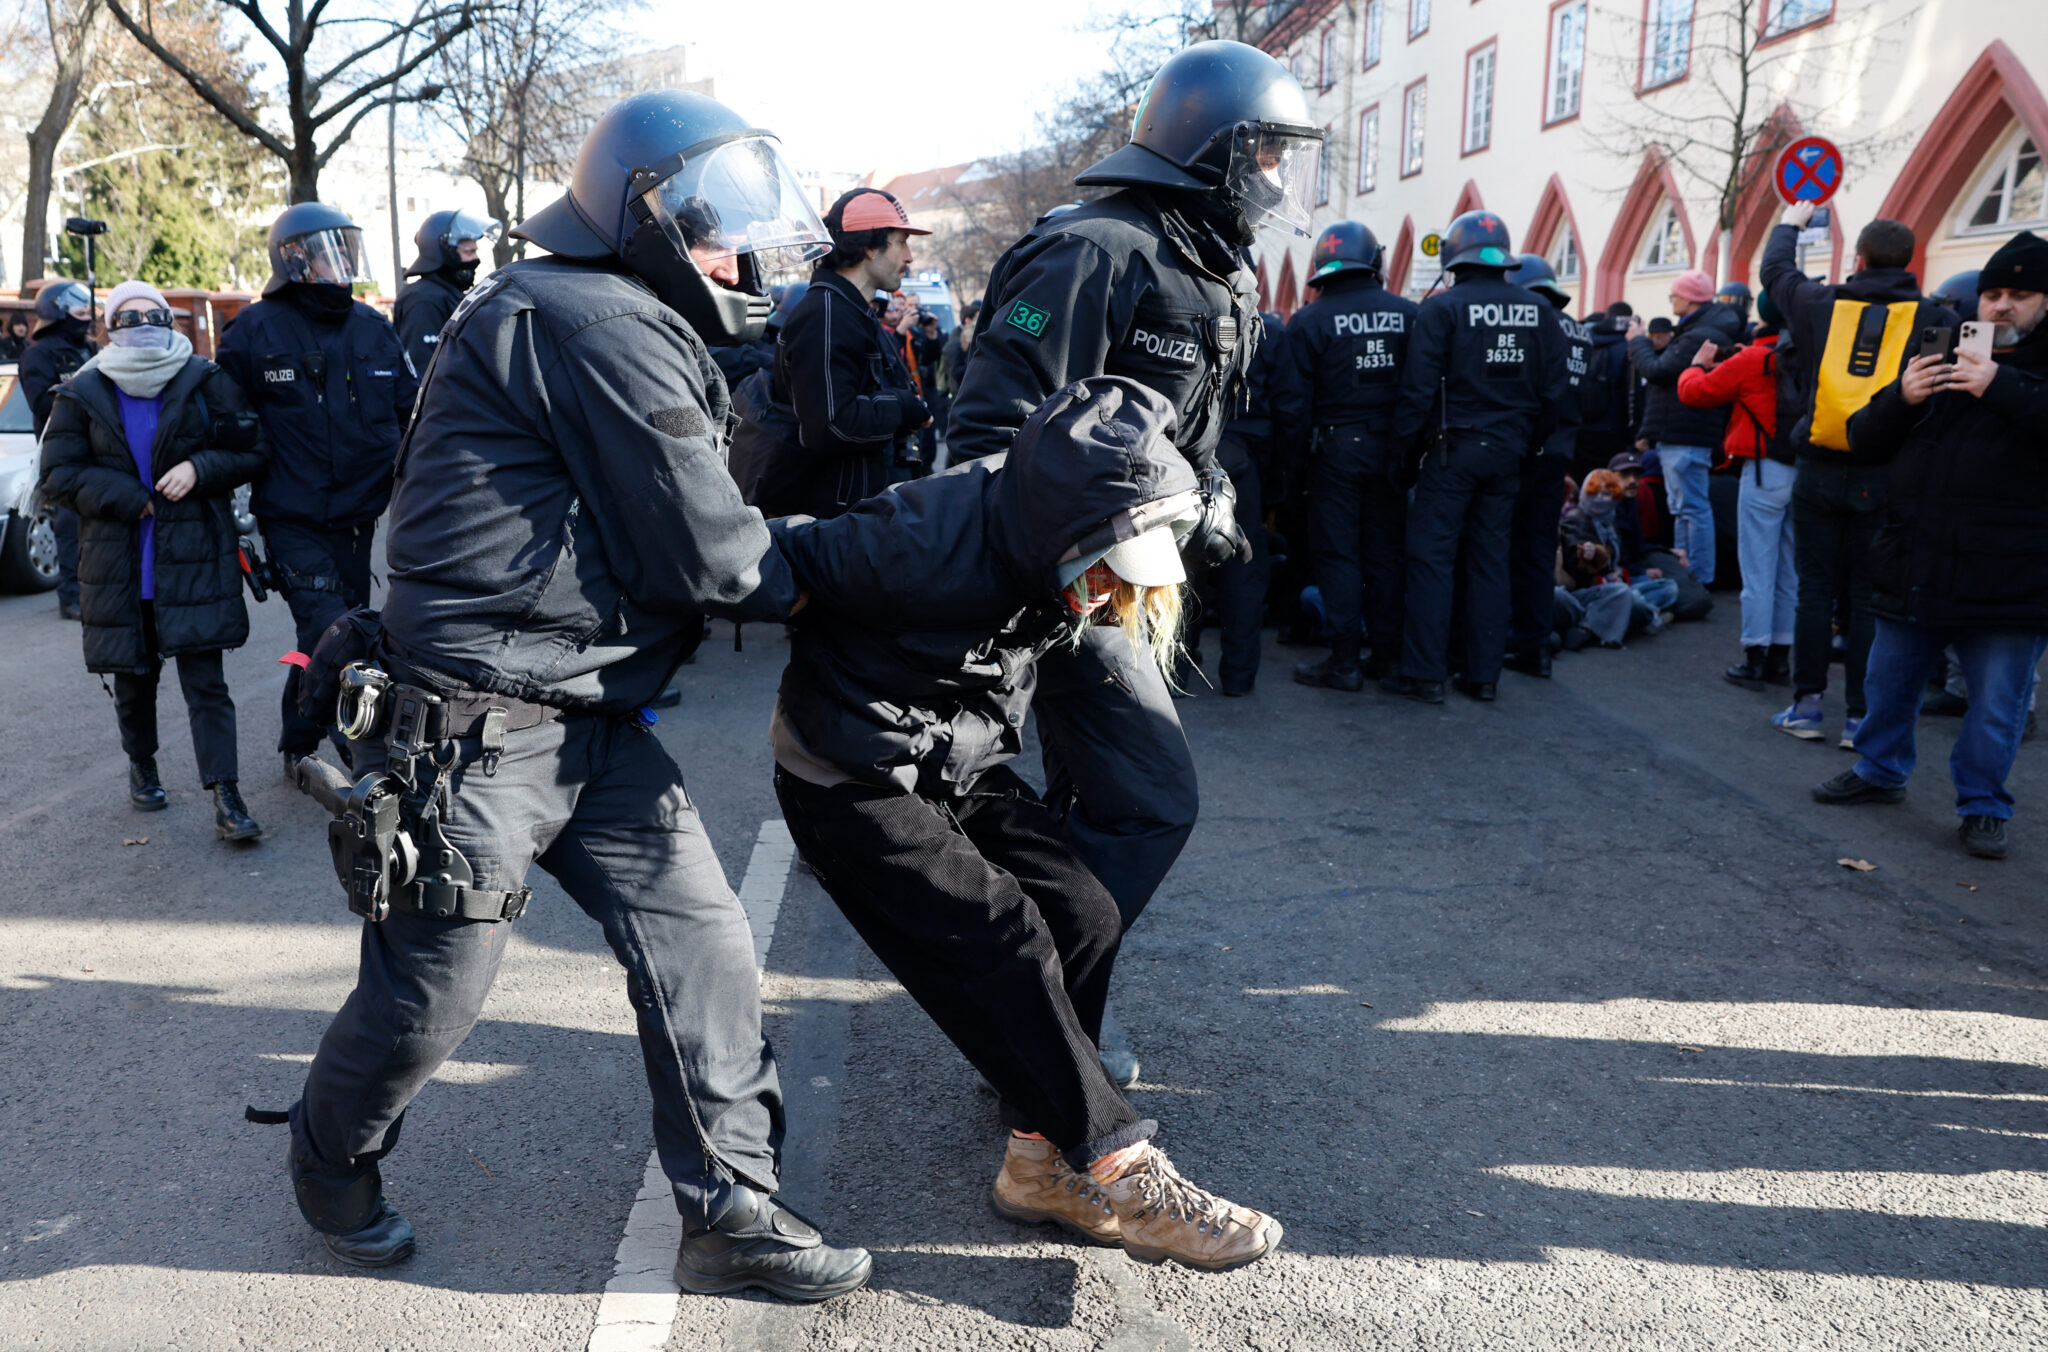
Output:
[[1150, 618]]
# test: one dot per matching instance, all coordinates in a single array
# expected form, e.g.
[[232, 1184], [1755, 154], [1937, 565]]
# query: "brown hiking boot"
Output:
[[1036, 1186], [1165, 1216]]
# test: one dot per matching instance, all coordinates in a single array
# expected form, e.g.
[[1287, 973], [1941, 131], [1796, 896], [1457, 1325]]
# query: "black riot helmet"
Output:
[[70, 300], [1478, 239], [1737, 296], [1959, 293], [313, 242], [1534, 272], [442, 233], [1226, 118], [1347, 246], [671, 183]]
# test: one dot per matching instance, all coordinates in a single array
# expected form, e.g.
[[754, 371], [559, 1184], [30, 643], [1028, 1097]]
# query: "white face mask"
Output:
[[142, 335]]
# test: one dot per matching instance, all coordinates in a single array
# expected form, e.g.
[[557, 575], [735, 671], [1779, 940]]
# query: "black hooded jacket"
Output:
[[563, 517], [912, 666], [424, 305], [88, 468], [1806, 304], [1666, 417], [1964, 539]]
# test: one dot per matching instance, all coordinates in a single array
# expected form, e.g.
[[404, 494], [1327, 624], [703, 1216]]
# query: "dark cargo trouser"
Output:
[[1116, 763], [1835, 514], [599, 804], [1532, 552], [1359, 516], [1464, 502], [324, 573], [981, 909], [1241, 587]]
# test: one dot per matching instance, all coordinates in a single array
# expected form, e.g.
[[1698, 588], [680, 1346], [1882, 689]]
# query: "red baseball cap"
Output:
[[868, 209]]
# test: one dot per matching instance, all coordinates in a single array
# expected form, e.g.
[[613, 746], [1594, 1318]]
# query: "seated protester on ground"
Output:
[[1960, 557], [911, 668], [1644, 525], [1608, 602]]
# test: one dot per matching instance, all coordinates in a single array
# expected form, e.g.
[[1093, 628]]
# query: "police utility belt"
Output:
[[389, 848]]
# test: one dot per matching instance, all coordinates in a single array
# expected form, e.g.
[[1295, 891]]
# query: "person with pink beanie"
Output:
[[1685, 437]]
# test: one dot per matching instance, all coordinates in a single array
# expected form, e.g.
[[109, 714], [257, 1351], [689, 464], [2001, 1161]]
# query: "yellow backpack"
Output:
[[1866, 350]]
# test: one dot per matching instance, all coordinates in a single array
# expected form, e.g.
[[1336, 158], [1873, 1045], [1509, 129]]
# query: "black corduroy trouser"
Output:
[[997, 930]]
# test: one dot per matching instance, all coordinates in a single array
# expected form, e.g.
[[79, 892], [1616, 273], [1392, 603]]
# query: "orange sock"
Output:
[[1027, 1135], [1114, 1165]]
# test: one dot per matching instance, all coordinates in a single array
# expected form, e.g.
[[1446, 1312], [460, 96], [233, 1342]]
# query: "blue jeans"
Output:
[[1763, 542], [1692, 511], [2000, 668]]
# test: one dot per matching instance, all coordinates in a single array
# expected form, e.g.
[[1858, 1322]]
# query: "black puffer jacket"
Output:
[[1964, 539], [912, 666], [1666, 418], [87, 467]]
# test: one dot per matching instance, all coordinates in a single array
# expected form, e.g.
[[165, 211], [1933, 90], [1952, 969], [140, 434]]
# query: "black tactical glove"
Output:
[[1216, 538], [233, 432]]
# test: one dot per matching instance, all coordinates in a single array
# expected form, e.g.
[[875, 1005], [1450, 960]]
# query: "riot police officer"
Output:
[[442, 271], [1151, 281], [562, 522], [1532, 534], [1237, 587], [1483, 384], [333, 390], [1335, 385], [61, 344]]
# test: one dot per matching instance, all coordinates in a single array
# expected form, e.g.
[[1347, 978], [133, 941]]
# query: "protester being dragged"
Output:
[[1598, 594], [911, 670], [1685, 437], [1746, 381], [1838, 495], [147, 443], [1961, 556], [842, 405]]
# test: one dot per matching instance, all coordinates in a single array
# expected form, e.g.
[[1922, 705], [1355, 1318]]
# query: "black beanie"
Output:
[[2021, 264]]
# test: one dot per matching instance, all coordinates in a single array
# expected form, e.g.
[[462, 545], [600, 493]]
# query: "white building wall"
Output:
[[1874, 74]]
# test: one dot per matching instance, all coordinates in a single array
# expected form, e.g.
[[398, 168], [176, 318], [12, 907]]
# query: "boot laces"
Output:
[[1166, 1192]]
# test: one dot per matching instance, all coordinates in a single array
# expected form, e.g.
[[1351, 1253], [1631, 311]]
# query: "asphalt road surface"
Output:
[[1551, 1023]]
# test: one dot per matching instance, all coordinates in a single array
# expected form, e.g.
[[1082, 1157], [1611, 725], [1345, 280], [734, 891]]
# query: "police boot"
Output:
[[355, 1222], [760, 1242], [145, 790], [1530, 661], [1426, 692], [1333, 672], [231, 819], [1749, 672]]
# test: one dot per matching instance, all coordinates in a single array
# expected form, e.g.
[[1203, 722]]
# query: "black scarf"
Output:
[[323, 302]]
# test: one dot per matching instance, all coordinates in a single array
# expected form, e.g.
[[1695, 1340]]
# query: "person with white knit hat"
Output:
[[147, 443]]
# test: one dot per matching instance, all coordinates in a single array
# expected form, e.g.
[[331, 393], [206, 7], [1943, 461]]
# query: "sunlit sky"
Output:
[[854, 86]]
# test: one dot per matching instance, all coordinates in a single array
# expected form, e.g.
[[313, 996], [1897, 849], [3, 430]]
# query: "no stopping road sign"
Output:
[[1809, 170]]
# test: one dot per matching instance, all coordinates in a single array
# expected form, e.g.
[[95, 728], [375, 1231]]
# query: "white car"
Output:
[[28, 543]]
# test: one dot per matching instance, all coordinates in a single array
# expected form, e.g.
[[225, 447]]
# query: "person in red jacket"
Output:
[[1747, 379]]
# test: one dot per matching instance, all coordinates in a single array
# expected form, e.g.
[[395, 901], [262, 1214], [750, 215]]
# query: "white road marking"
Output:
[[640, 1301]]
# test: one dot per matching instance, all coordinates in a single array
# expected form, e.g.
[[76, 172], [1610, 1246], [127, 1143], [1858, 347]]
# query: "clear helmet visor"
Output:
[[334, 256], [742, 198], [1271, 175], [468, 225]]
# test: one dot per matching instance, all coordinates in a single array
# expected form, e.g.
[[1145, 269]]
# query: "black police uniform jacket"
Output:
[[1963, 543], [1119, 286], [334, 398], [1486, 362], [1579, 402], [840, 403], [424, 304], [912, 666], [563, 518], [48, 361], [1666, 417], [1339, 361], [87, 467]]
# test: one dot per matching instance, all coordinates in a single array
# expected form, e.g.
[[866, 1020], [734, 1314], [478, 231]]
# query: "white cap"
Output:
[[1151, 559]]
